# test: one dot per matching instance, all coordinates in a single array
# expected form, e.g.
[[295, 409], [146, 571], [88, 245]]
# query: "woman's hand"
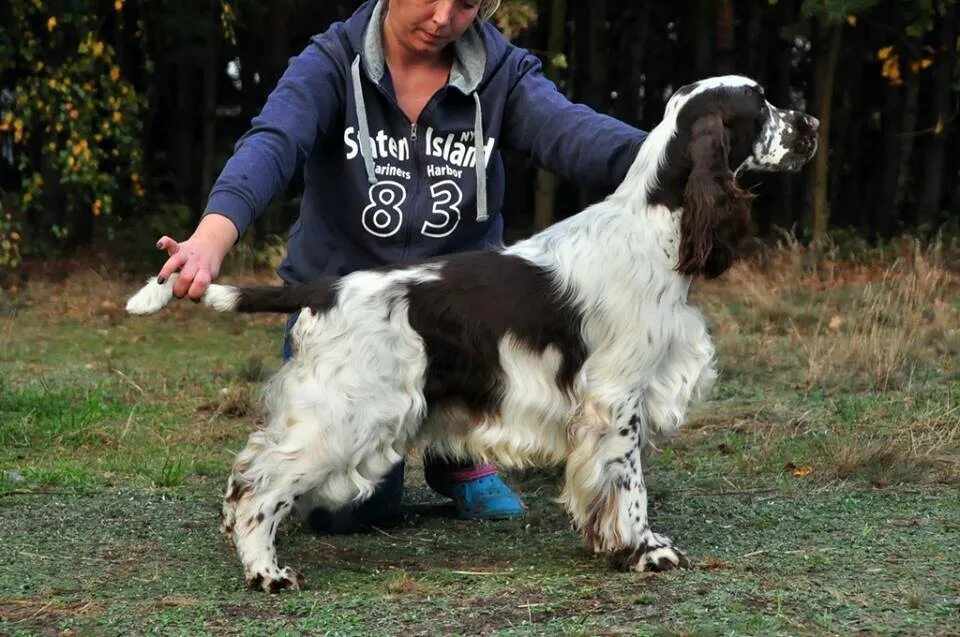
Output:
[[198, 259]]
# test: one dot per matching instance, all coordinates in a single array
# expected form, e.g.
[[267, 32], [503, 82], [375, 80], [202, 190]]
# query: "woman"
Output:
[[396, 117]]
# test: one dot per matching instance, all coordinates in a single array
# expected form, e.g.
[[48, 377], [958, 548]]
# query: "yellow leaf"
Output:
[[836, 322], [51, 23], [852, 20], [802, 471], [938, 127], [884, 53]]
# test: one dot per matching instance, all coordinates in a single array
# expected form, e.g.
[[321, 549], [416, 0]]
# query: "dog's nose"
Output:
[[812, 122]]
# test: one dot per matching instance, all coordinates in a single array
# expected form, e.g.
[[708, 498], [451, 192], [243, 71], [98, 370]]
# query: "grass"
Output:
[[816, 491]]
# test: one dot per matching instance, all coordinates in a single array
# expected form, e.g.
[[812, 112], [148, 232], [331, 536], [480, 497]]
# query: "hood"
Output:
[[478, 52]]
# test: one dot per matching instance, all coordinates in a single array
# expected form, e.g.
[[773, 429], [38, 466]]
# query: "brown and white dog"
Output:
[[576, 346]]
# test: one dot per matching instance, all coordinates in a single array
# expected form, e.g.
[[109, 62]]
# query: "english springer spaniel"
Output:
[[576, 346]]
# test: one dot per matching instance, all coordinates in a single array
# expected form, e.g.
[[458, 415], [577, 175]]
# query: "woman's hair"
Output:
[[488, 8]]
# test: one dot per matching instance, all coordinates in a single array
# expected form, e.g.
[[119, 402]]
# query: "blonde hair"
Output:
[[488, 8], [486, 11]]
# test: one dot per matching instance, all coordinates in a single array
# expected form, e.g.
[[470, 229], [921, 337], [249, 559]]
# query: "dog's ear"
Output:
[[715, 211]]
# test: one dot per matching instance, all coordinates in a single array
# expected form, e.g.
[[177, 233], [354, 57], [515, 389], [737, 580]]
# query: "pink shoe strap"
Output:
[[469, 473]]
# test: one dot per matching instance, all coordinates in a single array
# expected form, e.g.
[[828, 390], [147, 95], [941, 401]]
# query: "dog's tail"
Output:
[[228, 298]]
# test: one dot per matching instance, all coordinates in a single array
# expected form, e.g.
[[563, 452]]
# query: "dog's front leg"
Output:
[[605, 491], [645, 550]]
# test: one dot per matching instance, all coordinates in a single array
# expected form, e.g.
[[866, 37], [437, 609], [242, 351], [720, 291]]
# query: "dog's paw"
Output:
[[656, 554], [274, 581]]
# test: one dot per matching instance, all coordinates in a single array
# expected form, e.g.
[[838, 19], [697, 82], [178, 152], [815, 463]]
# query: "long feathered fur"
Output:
[[576, 346]]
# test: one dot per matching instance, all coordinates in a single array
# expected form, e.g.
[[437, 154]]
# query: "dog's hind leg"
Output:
[[266, 479], [271, 475], [605, 492]]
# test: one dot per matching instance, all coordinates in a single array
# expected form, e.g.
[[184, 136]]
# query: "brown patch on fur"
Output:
[[601, 530], [237, 491], [255, 582], [463, 317], [626, 559]]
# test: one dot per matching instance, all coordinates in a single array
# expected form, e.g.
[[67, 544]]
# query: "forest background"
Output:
[[117, 115]]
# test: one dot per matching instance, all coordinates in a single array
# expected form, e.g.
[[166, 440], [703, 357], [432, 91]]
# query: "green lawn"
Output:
[[816, 492]]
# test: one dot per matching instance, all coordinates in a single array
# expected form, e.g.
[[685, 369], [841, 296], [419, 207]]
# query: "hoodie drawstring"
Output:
[[480, 156], [362, 120], [479, 147]]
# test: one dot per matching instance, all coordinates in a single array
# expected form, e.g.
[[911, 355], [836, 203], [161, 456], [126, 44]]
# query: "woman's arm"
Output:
[[571, 140], [302, 108]]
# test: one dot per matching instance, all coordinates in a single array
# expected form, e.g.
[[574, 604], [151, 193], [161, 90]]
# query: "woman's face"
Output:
[[428, 26]]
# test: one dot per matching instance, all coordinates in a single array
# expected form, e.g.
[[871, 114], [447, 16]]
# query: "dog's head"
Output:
[[723, 125]]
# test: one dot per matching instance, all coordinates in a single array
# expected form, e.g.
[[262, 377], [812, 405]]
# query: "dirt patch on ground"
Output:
[[45, 612]]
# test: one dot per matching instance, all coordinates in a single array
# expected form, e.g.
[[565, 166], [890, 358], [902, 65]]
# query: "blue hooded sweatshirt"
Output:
[[380, 189]]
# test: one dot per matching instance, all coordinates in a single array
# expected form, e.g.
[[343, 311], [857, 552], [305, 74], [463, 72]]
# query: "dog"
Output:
[[575, 347]]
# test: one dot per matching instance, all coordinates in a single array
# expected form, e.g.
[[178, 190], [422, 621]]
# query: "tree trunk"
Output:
[[595, 88], [598, 95], [630, 60], [725, 62], [911, 97], [846, 134], [784, 216], [886, 208], [211, 65], [757, 43], [185, 132], [546, 188], [931, 191], [703, 44], [827, 56]]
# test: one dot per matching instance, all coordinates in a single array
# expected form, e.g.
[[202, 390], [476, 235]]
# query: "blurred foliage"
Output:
[[837, 10], [116, 114], [73, 120], [516, 16]]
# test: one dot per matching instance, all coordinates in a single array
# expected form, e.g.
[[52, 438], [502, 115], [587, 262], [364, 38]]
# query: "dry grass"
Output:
[[402, 584], [880, 462], [872, 346], [871, 325]]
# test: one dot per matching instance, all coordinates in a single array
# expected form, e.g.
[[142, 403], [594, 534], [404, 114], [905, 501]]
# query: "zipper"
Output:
[[408, 231], [412, 233]]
